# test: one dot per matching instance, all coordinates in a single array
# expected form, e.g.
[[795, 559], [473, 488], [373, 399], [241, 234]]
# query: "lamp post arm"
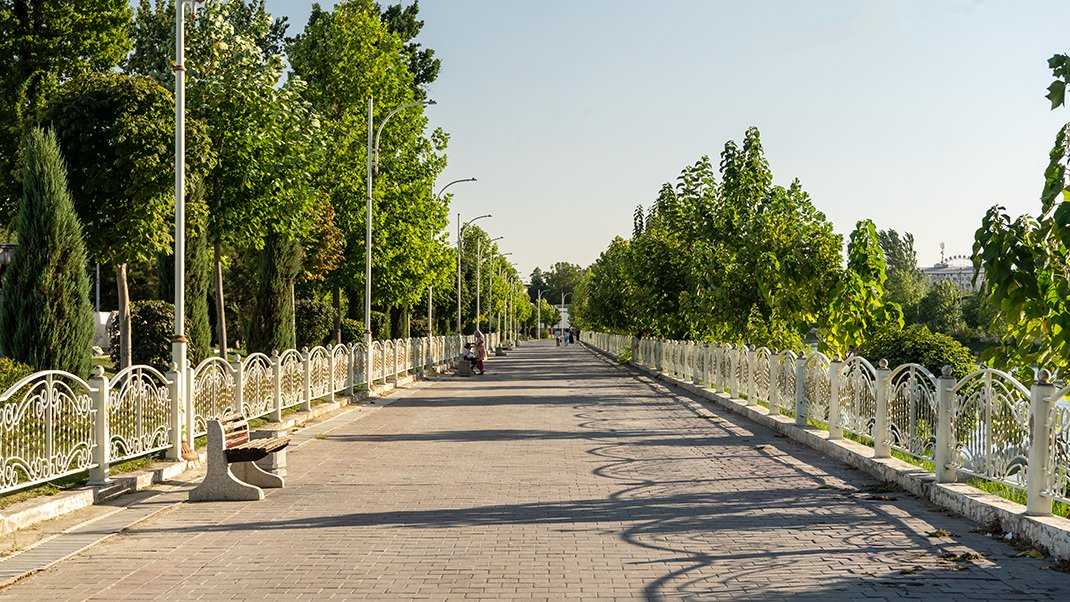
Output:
[[383, 124]]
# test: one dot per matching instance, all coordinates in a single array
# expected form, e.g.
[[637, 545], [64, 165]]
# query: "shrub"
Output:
[[919, 345], [418, 327], [314, 319], [352, 331], [11, 371], [152, 325]]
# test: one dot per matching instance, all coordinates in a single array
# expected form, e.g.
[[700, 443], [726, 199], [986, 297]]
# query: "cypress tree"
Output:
[[272, 327], [46, 319]]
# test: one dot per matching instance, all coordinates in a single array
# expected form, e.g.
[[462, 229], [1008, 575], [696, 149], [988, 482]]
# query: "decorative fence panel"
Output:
[[53, 424], [46, 428], [984, 426], [912, 412], [139, 410]]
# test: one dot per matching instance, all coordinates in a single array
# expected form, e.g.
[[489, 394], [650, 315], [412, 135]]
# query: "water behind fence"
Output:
[[54, 424], [987, 425]]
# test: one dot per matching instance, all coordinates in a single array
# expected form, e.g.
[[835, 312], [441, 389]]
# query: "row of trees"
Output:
[[738, 259], [742, 260], [275, 160]]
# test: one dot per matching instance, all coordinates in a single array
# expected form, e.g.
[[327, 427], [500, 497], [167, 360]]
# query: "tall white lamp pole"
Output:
[[368, 234], [460, 248], [479, 261], [430, 329]]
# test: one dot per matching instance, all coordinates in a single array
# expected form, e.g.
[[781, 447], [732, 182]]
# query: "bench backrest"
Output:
[[235, 430]]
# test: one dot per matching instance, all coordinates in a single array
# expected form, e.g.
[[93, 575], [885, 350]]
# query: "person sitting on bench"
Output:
[[470, 356]]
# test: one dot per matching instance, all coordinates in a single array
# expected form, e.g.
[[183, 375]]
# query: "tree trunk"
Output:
[[337, 315], [220, 306], [125, 344]]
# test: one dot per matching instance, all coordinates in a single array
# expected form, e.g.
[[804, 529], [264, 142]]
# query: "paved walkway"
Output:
[[556, 476]]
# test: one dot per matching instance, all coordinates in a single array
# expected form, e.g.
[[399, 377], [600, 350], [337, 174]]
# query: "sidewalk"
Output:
[[557, 475]]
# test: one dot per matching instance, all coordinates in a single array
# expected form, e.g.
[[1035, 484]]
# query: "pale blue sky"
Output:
[[917, 114]]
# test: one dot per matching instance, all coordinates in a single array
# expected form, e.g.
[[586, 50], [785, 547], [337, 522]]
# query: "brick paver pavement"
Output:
[[556, 476]]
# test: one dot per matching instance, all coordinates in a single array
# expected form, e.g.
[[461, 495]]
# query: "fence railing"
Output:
[[54, 424], [986, 425]]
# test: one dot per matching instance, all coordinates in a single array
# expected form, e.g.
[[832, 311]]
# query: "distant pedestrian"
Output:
[[480, 352]]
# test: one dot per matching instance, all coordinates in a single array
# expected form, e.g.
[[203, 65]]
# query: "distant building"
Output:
[[957, 270]]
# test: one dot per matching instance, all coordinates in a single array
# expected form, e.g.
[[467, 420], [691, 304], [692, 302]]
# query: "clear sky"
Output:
[[917, 114]]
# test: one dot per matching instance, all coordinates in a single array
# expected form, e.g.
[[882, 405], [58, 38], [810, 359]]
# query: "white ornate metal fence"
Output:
[[54, 424], [986, 425]]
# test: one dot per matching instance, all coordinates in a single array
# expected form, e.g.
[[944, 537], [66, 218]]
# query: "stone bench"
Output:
[[229, 444]]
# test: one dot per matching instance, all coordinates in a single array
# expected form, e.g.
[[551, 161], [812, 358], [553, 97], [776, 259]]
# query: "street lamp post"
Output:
[[368, 235], [460, 248], [563, 296], [498, 349], [178, 342], [538, 315], [430, 329], [479, 260]]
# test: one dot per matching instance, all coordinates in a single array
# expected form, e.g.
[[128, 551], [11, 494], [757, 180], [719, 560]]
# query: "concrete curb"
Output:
[[1050, 532], [37, 510]]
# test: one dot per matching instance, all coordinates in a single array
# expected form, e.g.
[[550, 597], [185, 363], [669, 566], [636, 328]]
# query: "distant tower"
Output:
[[942, 253]]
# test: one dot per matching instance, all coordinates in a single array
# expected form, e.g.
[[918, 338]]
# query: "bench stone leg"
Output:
[[252, 474], [219, 483]]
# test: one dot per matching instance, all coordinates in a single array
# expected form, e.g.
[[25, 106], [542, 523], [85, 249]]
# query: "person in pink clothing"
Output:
[[481, 352]]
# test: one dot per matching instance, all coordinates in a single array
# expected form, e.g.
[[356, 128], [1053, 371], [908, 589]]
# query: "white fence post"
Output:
[[774, 382], [835, 385], [352, 367], [942, 453], [1040, 405], [174, 385], [881, 434], [801, 412], [239, 384], [306, 380], [276, 386], [99, 394], [752, 376]]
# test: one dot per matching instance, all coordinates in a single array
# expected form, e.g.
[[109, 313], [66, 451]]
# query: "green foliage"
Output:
[[739, 260], [380, 326], [919, 345], [314, 321], [347, 56], [272, 326], [856, 310], [11, 372], [1025, 262], [352, 331], [905, 283], [43, 42], [117, 135], [941, 308], [152, 327], [46, 319]]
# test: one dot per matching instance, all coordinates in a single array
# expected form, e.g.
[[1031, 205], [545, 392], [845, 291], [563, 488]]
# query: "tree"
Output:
[[856, 311], [940, 310], [265, 138], [905, 284], [348, 55], [46, 320], [423, 65], [273, 318], [606, 296], [116, 132], [1025, 260], [42, 43]]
